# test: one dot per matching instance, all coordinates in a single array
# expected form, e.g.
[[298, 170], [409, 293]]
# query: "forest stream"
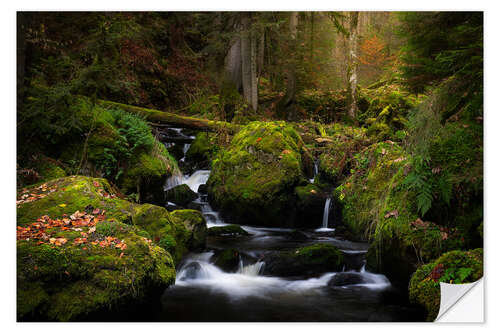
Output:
[[205, 292], [225, 166]]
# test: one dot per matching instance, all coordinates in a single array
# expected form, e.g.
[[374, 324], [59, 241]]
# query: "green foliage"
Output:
[[442, 44], [134, 129], [418, 180], [452, 267]]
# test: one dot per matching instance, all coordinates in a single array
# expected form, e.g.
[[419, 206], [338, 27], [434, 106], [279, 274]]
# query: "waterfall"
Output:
[[185, 148], [326, 211], [174, 180], [316, 171], [196, 179], [251, 270]]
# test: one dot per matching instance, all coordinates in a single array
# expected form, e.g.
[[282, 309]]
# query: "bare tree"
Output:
[[352, 69]]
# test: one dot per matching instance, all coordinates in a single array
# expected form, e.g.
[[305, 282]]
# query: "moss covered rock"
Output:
[[82, 270], [254, 178], [181, 195], [227, 230], [228, 260], [379, 205], [202, 150], [317, 258], [68, 271], [120, 148], [452, 267], [195, 223]]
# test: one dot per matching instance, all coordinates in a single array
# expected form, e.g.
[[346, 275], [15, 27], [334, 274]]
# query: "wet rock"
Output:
[[228, 260], [202, 189], [345, 279], [254, 178], [191, 271], [227, 230], [181, 195], [317, 258]]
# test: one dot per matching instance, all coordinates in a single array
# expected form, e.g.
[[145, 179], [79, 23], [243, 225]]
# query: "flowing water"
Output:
[[326, 215], [205, 292]]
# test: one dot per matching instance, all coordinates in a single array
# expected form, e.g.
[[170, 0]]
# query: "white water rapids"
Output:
[[198, 271]]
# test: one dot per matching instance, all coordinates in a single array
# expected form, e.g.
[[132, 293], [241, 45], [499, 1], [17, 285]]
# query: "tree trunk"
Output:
[[352, 70], [253, 70], [161, 117], [260, 53], [233, 63], [286, 103], [246, 67]]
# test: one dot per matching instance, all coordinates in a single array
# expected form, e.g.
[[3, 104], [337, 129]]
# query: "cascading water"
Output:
[[196, 179], [248, 295], [326, 212], [174, 180], [316, 171]]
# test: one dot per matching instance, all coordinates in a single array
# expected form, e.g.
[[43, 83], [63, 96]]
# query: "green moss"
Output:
[[195, 223], [319, 254], [49, 169], [451, 267], [181, 195], [72, 194], [307, 195], [335, 157], [203, 148], [176, 233], [70, 281], [227, 230], [312, 259], [254, 178], [228, 259]]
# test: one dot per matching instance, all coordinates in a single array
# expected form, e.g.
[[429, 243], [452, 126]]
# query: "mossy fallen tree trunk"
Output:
[[161, 117]]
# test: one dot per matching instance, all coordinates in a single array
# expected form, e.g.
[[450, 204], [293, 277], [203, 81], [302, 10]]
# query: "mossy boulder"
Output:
[[452, 267], [147, 175], [313, 259], [379, 205], [202, 150], [120, 148], [228, 260], [227, 230], [254, 178], [73, 279], [111, 267], [180, 195], [195, 223]]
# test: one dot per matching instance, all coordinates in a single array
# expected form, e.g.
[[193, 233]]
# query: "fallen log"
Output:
[[161, 117]]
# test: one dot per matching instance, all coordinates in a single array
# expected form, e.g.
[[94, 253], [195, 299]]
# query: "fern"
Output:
[[419, 181], [445, 188]]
